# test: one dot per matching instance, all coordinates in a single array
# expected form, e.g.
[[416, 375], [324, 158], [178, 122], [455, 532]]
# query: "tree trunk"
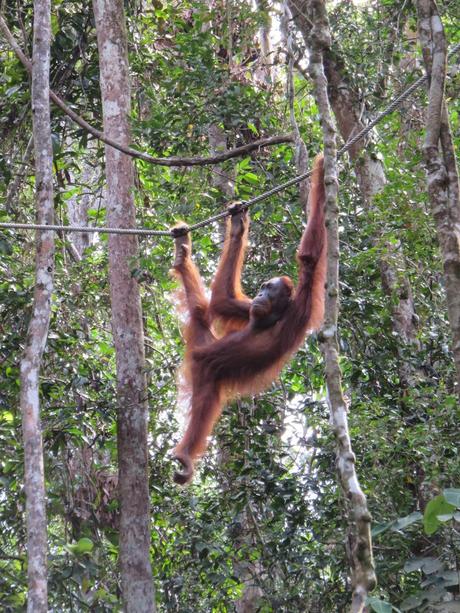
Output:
[[264, 68], [222, 179], [359, 542], [78, 205], [302, 161], [136, 573], [442, 174], [34, 481]]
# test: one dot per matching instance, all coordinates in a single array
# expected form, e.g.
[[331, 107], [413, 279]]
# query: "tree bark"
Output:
[[442, 174], [265, 70], [136, 572], [359, 543], [301, 153], [222, 179], [34, 480]]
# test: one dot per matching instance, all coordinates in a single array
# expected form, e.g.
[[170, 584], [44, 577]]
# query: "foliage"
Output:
[[266, 499]]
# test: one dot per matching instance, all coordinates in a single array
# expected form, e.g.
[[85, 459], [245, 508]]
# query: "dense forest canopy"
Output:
[[266, 525]]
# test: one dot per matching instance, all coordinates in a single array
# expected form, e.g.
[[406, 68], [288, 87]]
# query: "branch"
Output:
[[170, 161], [301, 153], [441, 167]]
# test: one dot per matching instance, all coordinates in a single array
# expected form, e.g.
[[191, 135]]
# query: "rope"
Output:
[[245, 204], [391, 107], [93, 229]]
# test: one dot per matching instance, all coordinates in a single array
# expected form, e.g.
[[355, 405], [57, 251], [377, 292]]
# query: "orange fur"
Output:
[[230, 350]]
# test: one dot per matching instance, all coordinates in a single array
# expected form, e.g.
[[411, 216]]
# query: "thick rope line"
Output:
[[245, 204], [84, 229]]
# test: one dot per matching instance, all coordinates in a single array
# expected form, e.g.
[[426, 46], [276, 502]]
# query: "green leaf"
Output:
[[106, 348], [7, 417], [398, 524], [379, 606], [437, 506], [250, 177], [403, 522], [244, 163], [380, 528], [54, 25], [428, 565], [445, 517], [411, 603], [84, 545], [452, 495]]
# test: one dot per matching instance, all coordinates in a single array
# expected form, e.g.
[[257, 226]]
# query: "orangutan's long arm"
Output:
[[311, 255], [227, 300], [197, 329]]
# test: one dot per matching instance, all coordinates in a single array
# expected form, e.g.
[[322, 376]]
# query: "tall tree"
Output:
[[359, 537], [127, 330], [37, 333], [442, 173]]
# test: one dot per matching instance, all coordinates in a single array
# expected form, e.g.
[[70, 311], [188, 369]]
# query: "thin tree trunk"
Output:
[[78, 206], [222, 179], [136, 572], [442, 174], [301, 153], [37, 333], [265, 61], [244, 536], [359, 544]]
